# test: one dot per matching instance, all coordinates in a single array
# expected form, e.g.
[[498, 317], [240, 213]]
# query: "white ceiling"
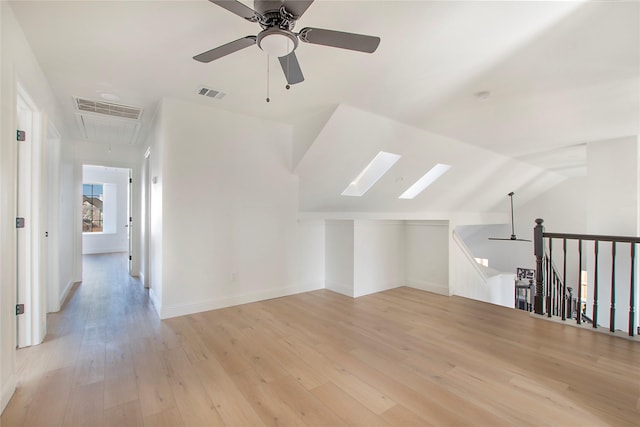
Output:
[[560, 74]]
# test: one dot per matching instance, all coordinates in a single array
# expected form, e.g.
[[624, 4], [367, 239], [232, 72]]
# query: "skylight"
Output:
[[427, 179], [380, 164]]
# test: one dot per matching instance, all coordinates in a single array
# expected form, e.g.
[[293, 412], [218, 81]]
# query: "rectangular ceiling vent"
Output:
[[108, 109], [211, 93]]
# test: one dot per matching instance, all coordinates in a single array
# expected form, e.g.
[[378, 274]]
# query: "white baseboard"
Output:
[[341, 289], [142, 280], [214, 304], [8, 388], [65, 293], [423, 285], [96, 251], [155, 301]]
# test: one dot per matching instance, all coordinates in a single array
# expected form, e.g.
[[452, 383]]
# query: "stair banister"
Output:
[[549, 285]]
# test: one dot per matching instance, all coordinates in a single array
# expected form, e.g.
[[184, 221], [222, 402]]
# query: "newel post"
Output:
[[538, 251]]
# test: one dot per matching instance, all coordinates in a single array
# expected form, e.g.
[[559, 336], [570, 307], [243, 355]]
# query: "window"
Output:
[[92, 208], [483, 261], [380, 164]]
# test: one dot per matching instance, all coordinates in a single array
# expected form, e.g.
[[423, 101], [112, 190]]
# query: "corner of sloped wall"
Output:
[[305, 131]]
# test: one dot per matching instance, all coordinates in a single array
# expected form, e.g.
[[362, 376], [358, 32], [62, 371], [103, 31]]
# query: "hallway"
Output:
[[87, 352], [403, 357]]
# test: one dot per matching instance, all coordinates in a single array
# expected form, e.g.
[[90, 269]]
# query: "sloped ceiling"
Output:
[[514, 88], [478, 180]]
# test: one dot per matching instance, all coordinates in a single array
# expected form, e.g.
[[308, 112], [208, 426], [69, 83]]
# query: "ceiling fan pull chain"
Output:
[[268, 100], [288, 61]]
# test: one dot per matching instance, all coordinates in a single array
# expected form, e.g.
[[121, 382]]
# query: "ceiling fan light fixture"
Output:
[[277, 42]]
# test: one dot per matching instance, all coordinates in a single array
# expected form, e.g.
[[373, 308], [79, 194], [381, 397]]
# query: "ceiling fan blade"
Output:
[[513, 239], [291, 68], [237, 8], [297, 7], [350, 41], [225, 49]]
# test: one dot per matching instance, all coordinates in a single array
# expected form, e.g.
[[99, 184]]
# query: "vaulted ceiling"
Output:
[[531, 81]]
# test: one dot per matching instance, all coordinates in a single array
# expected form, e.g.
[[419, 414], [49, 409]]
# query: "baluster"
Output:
[[556, 294], [612, 311], [550, 278], [564, 279], [579, 309], [631, 291], [538, 248], [595, 285]]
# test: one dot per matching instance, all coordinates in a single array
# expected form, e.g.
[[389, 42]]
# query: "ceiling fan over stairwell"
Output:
[[513, 232], [277, 19]]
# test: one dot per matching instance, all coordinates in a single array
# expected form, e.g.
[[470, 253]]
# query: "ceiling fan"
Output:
[[277, 19], [513, 233]]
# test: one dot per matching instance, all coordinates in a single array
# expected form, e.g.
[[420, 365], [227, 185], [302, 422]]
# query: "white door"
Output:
[[130, 221], [23, 223], [31, 250]]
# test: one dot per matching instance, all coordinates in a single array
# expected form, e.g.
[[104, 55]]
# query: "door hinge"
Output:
[[130, 180], [21, 135], [19, 309], [19, 222], [130, 258]]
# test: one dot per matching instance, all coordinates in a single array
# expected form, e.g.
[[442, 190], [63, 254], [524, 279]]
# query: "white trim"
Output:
[[427, 223], [155, 301], [379, 221], [214, 304], [106, 251], [8, 388], [65, 293], [467, 253], [423, 285]]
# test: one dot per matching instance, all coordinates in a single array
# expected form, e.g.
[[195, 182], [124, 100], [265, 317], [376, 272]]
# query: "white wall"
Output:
[[67, 227], [229, 210], [613, 210], [378, 256], [339, 256], [155, 240], [471, 280], [427, 255], [115, 237], [307, 266], [17, 65], [367, 256]]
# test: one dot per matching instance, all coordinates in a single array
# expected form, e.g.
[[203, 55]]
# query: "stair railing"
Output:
[[552, 295]]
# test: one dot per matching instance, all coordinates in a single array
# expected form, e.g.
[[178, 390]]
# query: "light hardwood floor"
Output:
[[397, 358]]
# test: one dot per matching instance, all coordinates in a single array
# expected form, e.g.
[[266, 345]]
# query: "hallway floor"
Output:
[[397, 358]]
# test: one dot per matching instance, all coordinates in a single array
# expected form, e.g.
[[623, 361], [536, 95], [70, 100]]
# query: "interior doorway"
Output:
[[106, 210]]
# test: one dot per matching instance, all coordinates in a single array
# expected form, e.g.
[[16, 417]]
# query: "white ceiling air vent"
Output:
[[107, 122], [211, 93], [108, 108]]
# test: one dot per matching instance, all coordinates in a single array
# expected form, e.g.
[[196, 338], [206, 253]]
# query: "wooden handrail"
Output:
[[601, 238], [545, 275]]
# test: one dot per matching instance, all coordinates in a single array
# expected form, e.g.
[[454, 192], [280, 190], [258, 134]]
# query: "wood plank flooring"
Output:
[[398, 358]]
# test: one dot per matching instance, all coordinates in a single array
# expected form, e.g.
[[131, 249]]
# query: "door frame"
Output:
[[52, 220], [134, 209]]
